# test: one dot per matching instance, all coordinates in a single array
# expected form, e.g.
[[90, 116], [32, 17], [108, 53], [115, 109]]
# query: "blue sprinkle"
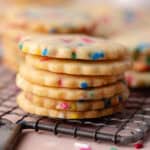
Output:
[[20, 46], [142, 46], [107, 103], [120, 98], [97, 55], [45, 52], [53, 30], [84, 85], [129, 16]]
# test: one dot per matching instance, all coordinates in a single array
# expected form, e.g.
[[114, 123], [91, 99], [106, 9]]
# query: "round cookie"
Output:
[[27, 106], [50, 20], [141, 66], [137, 79], [73, 47], [72, 67], [72, 94], [46, 78], [80, 105]]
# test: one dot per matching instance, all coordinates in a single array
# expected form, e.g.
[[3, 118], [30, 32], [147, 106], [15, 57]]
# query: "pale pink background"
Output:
[[47, 141]]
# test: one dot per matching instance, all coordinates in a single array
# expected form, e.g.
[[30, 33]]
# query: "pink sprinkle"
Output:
[[87, 40], [64, 106], [129, 79], [67, 40], [82, 146]]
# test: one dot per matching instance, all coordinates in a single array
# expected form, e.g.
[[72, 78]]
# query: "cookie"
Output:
[[11, 51], [72, 94], [46, 78], [72, 67], [80, 105], [137, 42], [49, 20], [27, 106], [138, 79], [73, 47], [10, 63], [141, 66]]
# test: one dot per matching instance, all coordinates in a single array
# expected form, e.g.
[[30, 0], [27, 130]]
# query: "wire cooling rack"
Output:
[[124, 128]]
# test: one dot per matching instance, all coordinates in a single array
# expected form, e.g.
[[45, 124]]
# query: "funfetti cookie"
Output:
[[50, 79], [72, 94], [11, 51], [137, 79], [88, 68], [74, 47], [137, 42], [50, 20], [80, 105], [28, 106]]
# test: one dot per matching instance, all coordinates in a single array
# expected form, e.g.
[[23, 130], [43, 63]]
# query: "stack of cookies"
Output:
[[72, 76], [139, 44], [44, 20]]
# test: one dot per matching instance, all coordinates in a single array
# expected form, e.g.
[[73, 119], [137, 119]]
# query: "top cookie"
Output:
[[73, 47], [50, 20]]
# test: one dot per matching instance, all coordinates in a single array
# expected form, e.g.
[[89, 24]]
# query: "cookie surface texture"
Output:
[[73, 47], [90, 68], [72, 94], [47, 78], [75, 105], [27, 106]]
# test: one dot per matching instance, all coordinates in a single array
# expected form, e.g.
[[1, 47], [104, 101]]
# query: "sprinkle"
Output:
[[20, 46], [138, 145], [120, 98], [60, 82], [148, 60], [45, 52], [87, 40], [67, 40], [53, 30], [129, 16], [91, 94], [129, 79], [73, 55], [73, 106], [142, 46], [74, 116], [107, 103], [97, 55], [113, 148], [82, 146], [64, 106], [80, 44], [84, 85], [44, 58]]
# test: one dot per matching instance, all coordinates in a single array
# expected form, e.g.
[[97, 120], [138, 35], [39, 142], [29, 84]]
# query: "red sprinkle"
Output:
[[138, 145], [44, 58], [60, 82]]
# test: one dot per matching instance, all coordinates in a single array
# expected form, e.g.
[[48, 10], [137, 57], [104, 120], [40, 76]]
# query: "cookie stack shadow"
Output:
[[72, 76]]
